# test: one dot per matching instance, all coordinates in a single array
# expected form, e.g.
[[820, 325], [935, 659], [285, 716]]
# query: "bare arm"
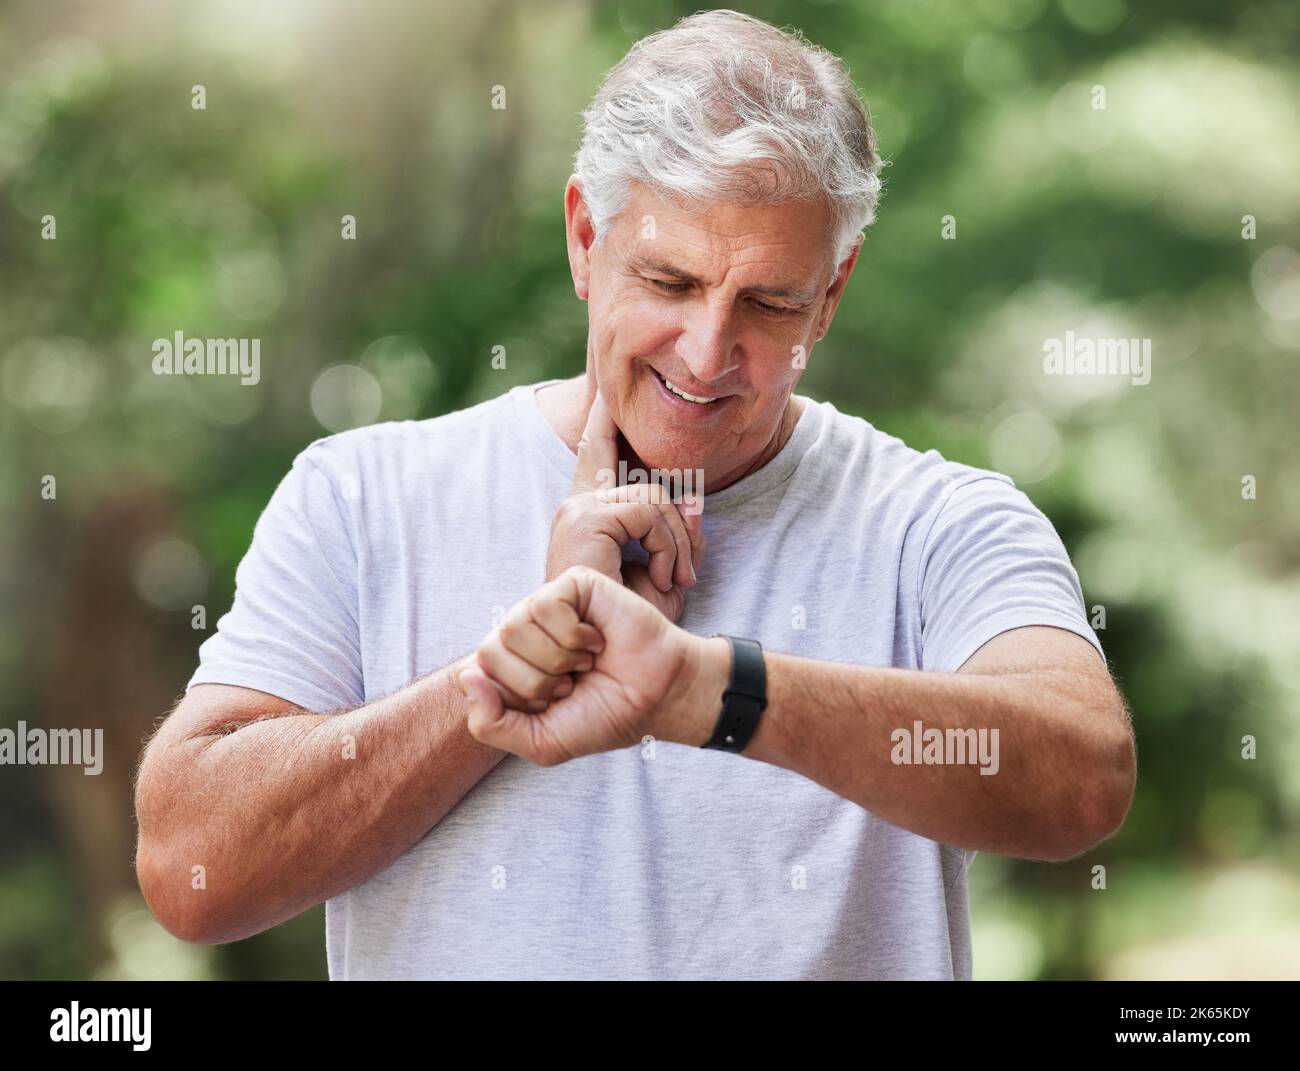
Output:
[[1035, 754], [284, 809], [264, 797], [1066, 763]]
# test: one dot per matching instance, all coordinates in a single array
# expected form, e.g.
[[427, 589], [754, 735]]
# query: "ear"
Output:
[[836, 290], [580, 234]]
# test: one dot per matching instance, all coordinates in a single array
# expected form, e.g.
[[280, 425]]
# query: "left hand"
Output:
[[649, 677]]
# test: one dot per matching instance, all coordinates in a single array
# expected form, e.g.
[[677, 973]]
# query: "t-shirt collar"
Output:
[[775, 472]]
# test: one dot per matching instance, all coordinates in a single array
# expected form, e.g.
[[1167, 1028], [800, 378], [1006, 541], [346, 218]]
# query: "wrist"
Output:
[[691, 708]]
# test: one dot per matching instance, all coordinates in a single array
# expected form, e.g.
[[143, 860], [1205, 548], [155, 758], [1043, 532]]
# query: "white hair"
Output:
[[726, 106]]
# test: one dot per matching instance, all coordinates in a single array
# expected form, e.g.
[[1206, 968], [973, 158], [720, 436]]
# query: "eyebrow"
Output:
[[660, 267]]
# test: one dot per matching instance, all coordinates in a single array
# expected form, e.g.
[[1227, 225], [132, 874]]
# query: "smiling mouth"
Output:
[[685, 395]]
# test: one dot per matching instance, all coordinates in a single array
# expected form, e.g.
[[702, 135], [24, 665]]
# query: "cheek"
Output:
[[632, 326], [791, 341], [780, 356]]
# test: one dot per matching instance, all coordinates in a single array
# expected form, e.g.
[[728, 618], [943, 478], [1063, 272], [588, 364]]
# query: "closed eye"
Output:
[[670, 288], [774, 310], [762, 306]]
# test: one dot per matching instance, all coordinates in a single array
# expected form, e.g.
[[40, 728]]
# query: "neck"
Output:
[[566, 404]]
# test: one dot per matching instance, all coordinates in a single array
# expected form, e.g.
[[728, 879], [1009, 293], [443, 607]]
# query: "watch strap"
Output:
[[745, 697]]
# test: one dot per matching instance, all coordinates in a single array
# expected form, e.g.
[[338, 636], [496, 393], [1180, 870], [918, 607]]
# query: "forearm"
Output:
[[288, 811], [1059, 768]]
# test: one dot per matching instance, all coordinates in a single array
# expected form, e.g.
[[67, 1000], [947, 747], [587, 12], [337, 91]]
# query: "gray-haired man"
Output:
[[564, 798]]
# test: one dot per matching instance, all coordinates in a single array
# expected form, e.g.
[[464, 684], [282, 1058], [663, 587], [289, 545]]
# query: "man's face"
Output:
[[725, 306]]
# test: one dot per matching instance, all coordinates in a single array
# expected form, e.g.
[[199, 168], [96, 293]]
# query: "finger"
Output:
[[521, 634], [513, 700], [564, 626], [636, 577], [488, 719], [692, 511], [508, 696], [531, 688], [486, 709], [689, 507], [594, 596], [669, 547], [654, 520], [597, 449]]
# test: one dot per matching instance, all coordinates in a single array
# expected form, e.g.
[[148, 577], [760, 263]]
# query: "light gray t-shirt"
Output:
[[385, 553]]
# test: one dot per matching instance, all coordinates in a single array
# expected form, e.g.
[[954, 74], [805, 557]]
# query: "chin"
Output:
[[658, 451]]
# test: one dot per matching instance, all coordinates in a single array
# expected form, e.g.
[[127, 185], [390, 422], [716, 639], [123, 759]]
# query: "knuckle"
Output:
[[581, 507], [520, 692], [555, 662]]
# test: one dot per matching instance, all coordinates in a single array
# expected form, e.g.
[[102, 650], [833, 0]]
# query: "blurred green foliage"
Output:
[[1125, 221]]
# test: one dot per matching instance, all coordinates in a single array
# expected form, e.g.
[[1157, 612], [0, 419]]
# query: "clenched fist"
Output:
[[594, 522], [584, 665]]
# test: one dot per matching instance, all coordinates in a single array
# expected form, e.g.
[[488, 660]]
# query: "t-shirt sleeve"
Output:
[[993, 562], [293, 629]]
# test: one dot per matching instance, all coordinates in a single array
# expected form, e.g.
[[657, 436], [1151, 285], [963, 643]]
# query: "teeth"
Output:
[[682, 394]]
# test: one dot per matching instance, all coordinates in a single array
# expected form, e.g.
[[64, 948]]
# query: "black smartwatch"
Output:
[[745, 698]]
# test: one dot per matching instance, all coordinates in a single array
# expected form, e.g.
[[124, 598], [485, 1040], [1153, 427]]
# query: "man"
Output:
[[910, 676]]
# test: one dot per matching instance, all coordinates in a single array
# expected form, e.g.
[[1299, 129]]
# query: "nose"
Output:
[[707, 344]]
